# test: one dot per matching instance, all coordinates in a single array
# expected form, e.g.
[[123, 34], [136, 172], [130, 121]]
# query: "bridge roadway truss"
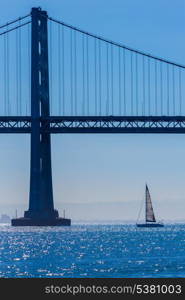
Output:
[[94, 124]]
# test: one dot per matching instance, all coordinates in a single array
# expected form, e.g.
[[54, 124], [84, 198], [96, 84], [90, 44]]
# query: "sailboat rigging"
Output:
[[150, 220]]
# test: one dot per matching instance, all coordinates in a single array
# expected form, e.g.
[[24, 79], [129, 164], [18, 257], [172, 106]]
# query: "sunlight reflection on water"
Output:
[[92, 251]]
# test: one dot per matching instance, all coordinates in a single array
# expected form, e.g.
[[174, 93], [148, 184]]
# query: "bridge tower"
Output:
[[41, 210]]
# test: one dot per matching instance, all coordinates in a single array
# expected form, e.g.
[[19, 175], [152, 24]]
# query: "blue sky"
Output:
[[103, 176]]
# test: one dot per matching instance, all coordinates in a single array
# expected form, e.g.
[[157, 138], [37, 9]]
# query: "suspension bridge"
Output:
[[57, 78]]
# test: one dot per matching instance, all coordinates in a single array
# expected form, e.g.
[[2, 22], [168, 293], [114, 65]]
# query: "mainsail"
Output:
[[150, 217]]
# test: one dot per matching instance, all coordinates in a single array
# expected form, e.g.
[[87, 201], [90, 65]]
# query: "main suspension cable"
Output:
[[117, 44]]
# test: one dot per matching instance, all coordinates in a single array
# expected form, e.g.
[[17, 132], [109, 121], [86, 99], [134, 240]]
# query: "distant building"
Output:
[[5, 219]]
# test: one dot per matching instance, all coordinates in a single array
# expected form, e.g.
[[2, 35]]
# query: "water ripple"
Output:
[[92, 251]]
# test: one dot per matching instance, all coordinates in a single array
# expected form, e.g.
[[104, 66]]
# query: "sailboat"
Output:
[[150, 220]]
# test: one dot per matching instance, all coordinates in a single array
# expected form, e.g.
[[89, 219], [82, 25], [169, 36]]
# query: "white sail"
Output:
[[150, 217]]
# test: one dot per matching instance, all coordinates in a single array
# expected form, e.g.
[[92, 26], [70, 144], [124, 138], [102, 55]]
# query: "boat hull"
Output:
[[149, 225]]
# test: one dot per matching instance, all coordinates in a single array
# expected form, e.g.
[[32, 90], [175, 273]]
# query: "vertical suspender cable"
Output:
[[5, 76], [119, 71], [87, 62], [99, 48], [156, 87], [83, 76], [75, 73], [107, 102], [112, 79], [95, 77], [173, 87], [8, 100], [20, 71], [63, 72], [29, 73], [59, 70], [131, 83], [161, 79], [136, 85], [180, 93], [124, 81], [168, 91], [17, 72], [71, 68], [144, 95], [149, 86], [51, 67]]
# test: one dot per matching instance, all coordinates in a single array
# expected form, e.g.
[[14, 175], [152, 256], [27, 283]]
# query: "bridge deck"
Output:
[[92, 124]]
